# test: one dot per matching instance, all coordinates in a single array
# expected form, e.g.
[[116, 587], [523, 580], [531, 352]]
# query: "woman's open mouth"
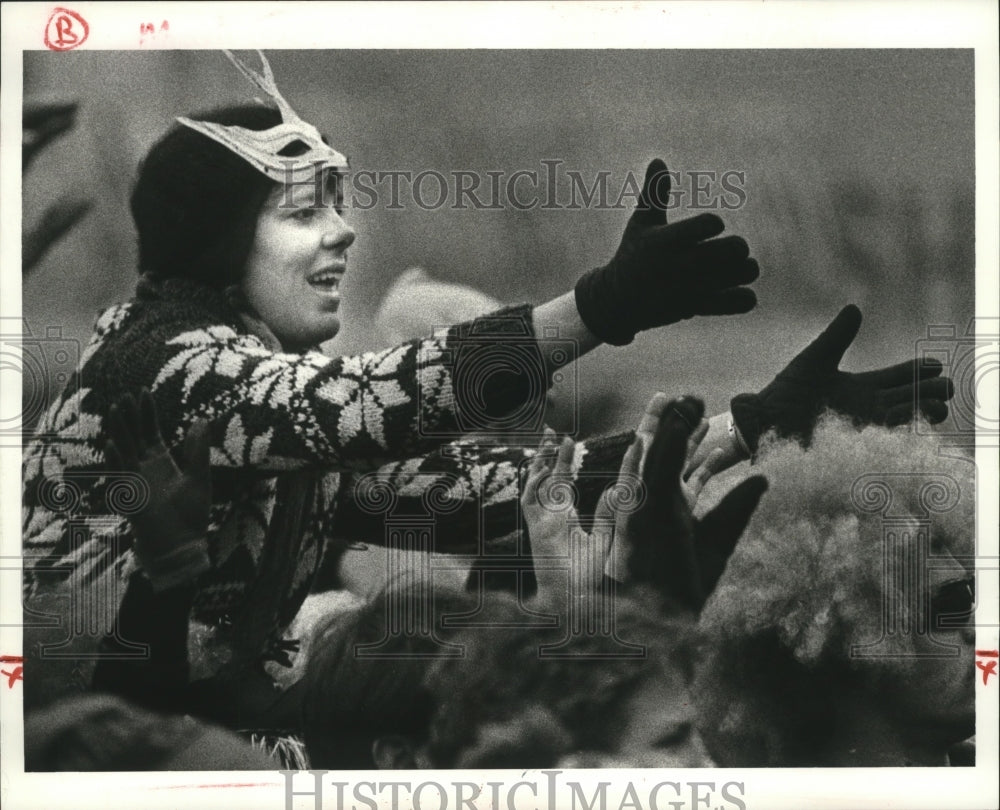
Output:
[[326, 282]]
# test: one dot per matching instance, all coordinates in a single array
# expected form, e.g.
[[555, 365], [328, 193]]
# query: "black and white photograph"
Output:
[[554, 406]]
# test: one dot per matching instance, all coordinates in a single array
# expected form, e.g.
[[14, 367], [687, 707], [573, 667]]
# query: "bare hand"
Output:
[[557, 538]]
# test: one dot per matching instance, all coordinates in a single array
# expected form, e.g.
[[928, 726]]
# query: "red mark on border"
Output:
[[16, 673], [988, 667], [65, 30], [148, 29]]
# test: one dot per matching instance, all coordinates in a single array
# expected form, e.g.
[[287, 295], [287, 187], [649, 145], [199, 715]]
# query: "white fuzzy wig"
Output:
[[813, 573]]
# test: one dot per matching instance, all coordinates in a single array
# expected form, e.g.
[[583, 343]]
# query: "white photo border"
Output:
[[959, 24]]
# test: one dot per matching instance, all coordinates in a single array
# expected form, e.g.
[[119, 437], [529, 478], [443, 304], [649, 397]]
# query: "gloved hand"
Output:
[[681, 557], [170, 528], [811, 383], [664, 273]]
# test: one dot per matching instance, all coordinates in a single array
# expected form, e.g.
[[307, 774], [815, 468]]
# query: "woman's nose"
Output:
[[339, 235]]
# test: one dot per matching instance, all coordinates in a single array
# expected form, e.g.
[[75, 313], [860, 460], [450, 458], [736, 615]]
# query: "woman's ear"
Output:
[[394, 752]]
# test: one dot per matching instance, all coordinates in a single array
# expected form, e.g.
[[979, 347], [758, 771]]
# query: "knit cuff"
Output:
[[499, 376]]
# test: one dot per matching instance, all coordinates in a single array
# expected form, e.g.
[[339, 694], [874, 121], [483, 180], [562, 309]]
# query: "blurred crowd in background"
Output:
[[855, 185], [859, 183]]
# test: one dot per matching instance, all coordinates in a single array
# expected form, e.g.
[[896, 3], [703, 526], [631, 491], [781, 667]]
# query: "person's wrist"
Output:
[[560, 318], [745, 420], [594, 304], [738, 443]]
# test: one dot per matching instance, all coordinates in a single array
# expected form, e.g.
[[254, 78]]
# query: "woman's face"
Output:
[[656, 728], [297, 260]]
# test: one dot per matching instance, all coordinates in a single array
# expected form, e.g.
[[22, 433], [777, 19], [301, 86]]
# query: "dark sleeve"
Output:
[[157, 678], [470, 493]]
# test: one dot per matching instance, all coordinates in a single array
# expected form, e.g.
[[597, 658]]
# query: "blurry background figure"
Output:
[[416, 304], [841, 632], [594, 700], [365, 705], [853, 193], [105, 733], [43, 122], [412, 308]]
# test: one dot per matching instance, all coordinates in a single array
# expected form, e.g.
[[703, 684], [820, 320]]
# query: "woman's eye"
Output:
[[304, 214]]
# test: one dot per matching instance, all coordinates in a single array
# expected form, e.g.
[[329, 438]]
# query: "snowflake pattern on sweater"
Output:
[[270, 414]]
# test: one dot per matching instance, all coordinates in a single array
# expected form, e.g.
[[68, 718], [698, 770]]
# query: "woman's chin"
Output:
[[305, 338], [332, 330]]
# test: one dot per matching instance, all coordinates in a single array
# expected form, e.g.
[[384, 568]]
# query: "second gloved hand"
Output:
[[812, 382]]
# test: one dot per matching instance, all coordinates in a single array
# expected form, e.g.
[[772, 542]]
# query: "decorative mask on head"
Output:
[[261, 149]]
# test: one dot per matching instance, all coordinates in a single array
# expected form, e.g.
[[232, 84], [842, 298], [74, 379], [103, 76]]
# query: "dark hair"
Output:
[[503, 704], [352, 699], [99, 732], [195, 203], [103, 732]]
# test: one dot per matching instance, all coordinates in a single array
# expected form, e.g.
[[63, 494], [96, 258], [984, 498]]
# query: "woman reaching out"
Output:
[[240, 268]]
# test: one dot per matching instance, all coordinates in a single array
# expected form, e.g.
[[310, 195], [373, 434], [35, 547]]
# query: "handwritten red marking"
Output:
[[988, 667], [65, 30], [14, 675], [148, 29]]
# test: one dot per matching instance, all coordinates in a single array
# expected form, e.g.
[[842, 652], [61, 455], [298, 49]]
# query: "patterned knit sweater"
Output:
[[323, 439]]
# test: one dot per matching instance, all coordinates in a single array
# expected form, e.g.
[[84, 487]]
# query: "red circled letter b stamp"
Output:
[[65, 30]]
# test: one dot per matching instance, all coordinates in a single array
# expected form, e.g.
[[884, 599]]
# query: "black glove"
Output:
[[170, 527], [663, 273], [681, 557], [811, 383]]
